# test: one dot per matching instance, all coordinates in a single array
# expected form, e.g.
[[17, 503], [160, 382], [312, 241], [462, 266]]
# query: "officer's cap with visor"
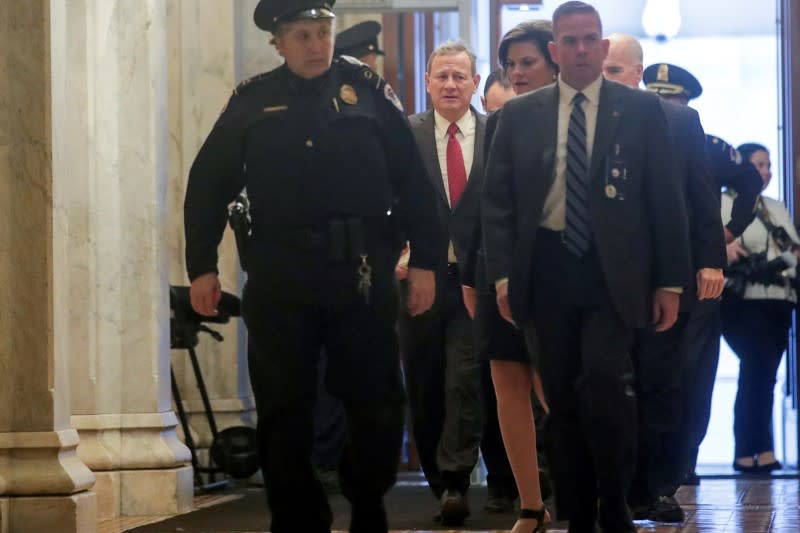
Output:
[[669, 80], [269, 14], [359, 40]]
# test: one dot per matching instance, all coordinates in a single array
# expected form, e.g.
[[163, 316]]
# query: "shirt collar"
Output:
[[591, 91], [466, 121]]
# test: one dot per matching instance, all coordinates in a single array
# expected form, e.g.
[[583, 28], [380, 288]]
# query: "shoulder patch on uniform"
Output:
[[254, 81], [390, 95], [735, 156], [353, 60]]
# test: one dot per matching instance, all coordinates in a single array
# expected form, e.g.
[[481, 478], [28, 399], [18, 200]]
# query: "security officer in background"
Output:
[[701, 336], [336, 186], [360, 41]]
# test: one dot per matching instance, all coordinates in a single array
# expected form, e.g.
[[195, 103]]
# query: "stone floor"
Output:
[[716, 506]]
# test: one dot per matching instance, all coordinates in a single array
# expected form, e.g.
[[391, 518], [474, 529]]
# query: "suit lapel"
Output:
[[609, 112], [478, 162], [429, 154], [548, 114]]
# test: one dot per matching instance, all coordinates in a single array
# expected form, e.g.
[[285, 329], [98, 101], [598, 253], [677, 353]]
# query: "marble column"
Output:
[[115, 141], [202, 75], [43, 482]]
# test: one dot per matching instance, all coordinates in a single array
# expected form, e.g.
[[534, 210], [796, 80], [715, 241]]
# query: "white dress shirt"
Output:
[[555, 204], [466, 138]]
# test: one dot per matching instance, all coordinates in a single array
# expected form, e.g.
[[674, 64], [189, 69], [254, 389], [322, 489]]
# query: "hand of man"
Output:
[[728, 235], [205, 293], [665, 309], [401, 269], [736, 252], [421, 290], [470, 299], [710, 283], [502, 302]]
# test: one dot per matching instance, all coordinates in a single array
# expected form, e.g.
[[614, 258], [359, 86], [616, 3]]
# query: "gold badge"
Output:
[[615, 172], [611, 191], [663, 73], [348, 95]]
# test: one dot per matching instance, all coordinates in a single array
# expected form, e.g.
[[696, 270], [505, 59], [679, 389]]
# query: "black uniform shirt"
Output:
[[309, 151], [732, 172]]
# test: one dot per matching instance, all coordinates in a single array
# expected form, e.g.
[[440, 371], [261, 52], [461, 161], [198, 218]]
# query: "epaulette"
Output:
[[360, 72], [716, 141], [254, 81], [728, 149]]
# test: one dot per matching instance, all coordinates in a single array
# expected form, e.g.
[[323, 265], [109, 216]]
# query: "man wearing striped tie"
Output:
[[586, 239]]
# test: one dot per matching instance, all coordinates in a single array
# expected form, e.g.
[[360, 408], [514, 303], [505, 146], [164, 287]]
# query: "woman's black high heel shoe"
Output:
[[539, 516]]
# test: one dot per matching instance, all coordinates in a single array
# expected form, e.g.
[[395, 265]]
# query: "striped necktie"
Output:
[[577, 235]]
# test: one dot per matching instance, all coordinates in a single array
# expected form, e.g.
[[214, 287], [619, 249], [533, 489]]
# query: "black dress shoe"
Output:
[[615, 517], [745, 469], [769, 467], [499, 504], [369, 516], [640, 511], [691, 478], [454, 508], [666, 509]]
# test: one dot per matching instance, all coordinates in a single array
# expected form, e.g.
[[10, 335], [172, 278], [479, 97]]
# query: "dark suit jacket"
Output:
[[641, 241], [693, 169], [473, 268], [460, 222]]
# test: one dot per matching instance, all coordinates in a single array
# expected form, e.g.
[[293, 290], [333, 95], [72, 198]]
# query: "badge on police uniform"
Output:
[[348, 95]]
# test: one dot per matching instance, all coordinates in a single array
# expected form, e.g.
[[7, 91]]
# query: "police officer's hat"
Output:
[[270, 13], [359, 40], [663, 78]]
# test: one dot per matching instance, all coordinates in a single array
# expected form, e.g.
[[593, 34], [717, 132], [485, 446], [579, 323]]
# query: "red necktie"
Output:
[[456, 172]]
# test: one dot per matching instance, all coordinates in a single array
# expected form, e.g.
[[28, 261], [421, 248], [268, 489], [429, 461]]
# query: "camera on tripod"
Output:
[[757, 269]]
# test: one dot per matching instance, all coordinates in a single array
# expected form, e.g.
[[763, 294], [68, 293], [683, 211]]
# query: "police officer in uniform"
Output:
[[360, 41], [700, 342], [336, 186]]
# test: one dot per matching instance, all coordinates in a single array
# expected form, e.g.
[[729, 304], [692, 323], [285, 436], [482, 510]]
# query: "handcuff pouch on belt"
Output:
[[347, 241]]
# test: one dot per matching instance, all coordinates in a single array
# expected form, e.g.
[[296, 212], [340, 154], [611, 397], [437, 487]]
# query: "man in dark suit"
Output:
[[701, 339], [441, 370], [659, 357], [586, 236]]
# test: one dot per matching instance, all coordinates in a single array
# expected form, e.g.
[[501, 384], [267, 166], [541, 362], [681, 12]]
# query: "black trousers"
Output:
[[330, 422], [444, 390], [658, 360], [700, 348], [587, 374], [285, 339], [757, 331]]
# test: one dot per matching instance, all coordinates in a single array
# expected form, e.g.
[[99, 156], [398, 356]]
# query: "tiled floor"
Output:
[[716, 506], [118, 525]]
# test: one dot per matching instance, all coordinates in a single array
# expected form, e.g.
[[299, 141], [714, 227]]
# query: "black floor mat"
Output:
[[409, 508]]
